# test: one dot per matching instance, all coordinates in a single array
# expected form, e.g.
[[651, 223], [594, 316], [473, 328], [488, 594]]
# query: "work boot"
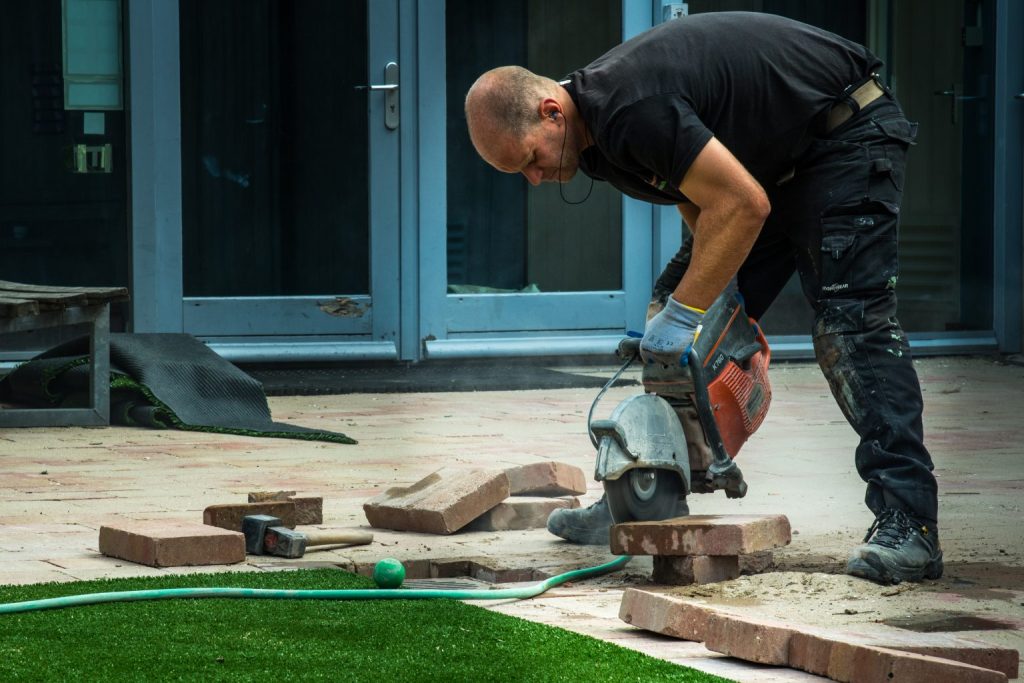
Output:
[[586, 526], [902, 549]]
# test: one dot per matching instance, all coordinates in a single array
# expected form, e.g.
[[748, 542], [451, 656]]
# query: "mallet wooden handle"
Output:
[[347, 537]]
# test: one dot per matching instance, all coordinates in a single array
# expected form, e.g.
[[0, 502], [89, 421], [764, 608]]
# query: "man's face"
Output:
[[536, 155]]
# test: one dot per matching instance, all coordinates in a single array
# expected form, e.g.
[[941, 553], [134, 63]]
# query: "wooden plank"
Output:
[[48, 300], [88, 296], [92, 295], [15, 308]]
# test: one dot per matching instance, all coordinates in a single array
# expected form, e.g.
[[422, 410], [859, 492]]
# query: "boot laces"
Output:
[[891, 529]]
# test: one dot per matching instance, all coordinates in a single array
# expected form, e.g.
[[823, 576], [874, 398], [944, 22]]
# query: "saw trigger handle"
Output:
[[629, 348]]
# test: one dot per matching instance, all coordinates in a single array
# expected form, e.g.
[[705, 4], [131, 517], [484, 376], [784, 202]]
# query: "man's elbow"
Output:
[[757, 207]]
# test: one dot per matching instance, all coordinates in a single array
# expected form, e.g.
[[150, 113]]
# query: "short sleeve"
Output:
[[657, 138]]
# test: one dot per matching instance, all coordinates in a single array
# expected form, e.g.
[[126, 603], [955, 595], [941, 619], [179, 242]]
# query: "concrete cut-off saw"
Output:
[[682, 434]]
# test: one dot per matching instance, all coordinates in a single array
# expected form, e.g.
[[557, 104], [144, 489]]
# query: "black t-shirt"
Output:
[[754, 81]]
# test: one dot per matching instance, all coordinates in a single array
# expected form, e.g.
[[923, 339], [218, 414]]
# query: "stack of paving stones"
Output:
[[218, 540], [873, 653], [453, 499], [703, 548]]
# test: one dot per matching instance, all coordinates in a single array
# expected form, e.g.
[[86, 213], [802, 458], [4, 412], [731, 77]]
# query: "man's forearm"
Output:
[[722, 239]]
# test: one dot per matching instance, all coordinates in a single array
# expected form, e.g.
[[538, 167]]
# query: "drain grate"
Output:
[[455, 584]]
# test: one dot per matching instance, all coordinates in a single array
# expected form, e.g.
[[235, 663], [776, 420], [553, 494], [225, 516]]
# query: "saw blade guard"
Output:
[[642, 432]]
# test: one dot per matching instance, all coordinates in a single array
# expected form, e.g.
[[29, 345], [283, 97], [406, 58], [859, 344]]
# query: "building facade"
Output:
[[292, 181]]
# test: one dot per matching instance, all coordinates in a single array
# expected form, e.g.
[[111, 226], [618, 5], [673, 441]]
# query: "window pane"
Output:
[[274, 147]]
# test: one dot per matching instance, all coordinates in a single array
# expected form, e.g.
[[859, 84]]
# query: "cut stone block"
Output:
[[498, 574], [812, 649], [172, 544], [700, 569], [440, 503], [230, 516], [757, 563], [702, 535], [265, 496], [665, 614], [308, 509], [546, 479], [520, 513], [447, 569]]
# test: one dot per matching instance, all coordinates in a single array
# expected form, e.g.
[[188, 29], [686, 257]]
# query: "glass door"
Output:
[[290, 170], [519, 261]]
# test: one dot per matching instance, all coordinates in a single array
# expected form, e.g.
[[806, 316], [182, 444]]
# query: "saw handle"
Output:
[[347, 537], [723, 473], [629, 347]]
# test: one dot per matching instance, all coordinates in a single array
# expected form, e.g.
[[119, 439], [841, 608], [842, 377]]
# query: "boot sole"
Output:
[[873, 569], [585, 536]]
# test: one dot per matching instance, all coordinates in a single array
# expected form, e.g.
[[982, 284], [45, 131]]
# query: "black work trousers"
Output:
[[835, 223]]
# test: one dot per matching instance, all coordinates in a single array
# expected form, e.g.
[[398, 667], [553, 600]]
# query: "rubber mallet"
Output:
[[264, 535]]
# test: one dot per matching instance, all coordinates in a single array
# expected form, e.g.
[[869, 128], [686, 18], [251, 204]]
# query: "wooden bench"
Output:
[[34, 307]]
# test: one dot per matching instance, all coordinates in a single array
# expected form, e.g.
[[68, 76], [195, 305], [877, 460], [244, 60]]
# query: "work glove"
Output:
[[669, 335]]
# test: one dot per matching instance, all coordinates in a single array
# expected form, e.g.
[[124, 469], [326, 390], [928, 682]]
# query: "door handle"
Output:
[[390, 89], [1019, 96], [955, 94]]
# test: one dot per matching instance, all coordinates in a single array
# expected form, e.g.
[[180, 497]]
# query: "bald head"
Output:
[[506, 101], [520, 122]]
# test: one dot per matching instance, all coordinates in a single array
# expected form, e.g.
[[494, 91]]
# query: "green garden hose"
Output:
[[520, 593]]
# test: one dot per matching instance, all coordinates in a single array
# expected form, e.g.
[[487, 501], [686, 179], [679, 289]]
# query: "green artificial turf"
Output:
[[269, 640]]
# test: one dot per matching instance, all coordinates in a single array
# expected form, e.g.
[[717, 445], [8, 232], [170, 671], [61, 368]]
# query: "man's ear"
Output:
[[550, 109]]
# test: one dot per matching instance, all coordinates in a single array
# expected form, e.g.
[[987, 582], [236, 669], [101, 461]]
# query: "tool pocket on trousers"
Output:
[[888, 158], [858, 252], [899, 129]]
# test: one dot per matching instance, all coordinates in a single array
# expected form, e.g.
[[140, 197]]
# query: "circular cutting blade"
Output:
[[645, 494]]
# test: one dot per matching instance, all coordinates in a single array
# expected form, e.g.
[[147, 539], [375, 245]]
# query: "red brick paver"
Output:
[[520, 513], [172, 544], [440, 503], [702, 535], [546, 479], [230, 516]]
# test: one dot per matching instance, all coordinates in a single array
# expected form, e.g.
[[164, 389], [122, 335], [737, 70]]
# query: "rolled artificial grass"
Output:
[[242, 640]]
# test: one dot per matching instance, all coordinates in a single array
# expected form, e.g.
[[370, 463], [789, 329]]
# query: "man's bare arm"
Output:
[[690, 212], [729, 208]]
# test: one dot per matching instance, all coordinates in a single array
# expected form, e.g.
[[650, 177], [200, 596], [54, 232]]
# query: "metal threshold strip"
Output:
[[784, 347]]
